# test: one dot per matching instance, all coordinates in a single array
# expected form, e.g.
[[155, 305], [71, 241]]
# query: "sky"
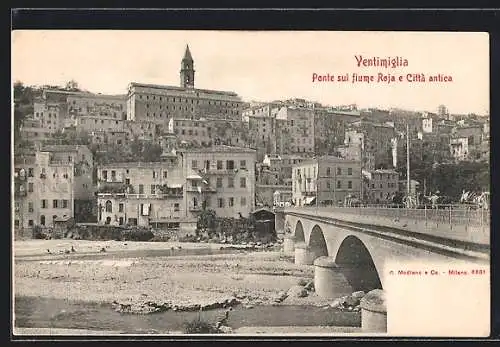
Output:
[[265, 65]]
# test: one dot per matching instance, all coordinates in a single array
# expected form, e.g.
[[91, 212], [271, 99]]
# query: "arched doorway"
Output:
[[356, 263], [317, 242], [299, 233]]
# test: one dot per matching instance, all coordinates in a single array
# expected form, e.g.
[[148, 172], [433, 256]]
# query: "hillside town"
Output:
[[159, 155]]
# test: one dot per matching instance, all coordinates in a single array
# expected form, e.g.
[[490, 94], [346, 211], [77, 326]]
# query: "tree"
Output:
[[206, 220]]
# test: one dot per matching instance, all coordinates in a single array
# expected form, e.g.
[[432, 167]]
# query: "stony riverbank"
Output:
[[152, 284]]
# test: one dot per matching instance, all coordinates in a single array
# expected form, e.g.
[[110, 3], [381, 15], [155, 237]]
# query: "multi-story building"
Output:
[[329, 179], [193, 131], [57, 109], [52, 115], [262, 134], [144, 194], [170, 194], [329, 129], [228, 175], [280, 167], [380, 186], [97, 105], [295, 131], [33, 130], [25, 195], [55, 183], [159, 103], [272, 195], [459, 148], [374, 145], [262, 110]]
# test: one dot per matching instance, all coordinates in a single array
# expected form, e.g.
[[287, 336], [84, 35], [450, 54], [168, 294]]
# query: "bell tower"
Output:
[[187, 70]]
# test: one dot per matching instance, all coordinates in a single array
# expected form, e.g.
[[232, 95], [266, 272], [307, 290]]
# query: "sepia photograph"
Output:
[[250, 183]]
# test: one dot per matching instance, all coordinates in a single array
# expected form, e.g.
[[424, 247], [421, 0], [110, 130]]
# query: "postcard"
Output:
[[250, 183]]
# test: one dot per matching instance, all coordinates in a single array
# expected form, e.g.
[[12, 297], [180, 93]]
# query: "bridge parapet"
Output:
[[453, 223]]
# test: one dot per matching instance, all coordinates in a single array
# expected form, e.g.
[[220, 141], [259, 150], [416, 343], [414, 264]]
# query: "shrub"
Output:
[[199, 326]]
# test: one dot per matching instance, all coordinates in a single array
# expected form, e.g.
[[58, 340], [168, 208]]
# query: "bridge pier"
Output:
[[374, 312], [289, 244], [329, 281], [303, 254]]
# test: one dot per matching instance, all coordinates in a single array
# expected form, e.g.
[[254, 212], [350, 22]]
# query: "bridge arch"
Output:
[[356, 263], [299, 233], [317, 242]]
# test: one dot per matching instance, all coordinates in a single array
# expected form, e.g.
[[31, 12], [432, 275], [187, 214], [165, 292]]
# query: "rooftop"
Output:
[[62, 148], [221, 148], [137, 164], [180, 89]]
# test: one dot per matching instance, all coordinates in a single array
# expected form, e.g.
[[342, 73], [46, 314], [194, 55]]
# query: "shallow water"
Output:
[[141, 253], [33, 312]]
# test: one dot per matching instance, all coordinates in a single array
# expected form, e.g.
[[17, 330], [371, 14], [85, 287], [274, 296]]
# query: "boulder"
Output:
[[351, 301], [297, 292], [281, 296], [358, 295], [337, 303]]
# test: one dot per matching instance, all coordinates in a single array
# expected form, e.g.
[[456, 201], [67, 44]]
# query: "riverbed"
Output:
[[76, 289]]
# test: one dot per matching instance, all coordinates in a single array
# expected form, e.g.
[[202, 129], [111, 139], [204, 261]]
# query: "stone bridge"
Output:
[[350, 249]]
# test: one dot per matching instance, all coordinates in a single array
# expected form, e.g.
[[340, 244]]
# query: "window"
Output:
[[230, 183], [194, 164], [30, 187], [141, 188], [42, 219], [339, 171], [349, 185], [349, 170], [328, 185], [127, 181], [113, 175], [243, 201], [243, 164], [30, 172], [44, 203], [381, 184], [54, 204], [154, 174], [243, 182], [231, 202], [30, 223], [120, 207], [176, 207], [153, 189], [64, 203], [109, 206], [219, 164], [104, 175], [30, 206], [165, 174], [220, 202], [328, 171], [219, 182], [16, 223], [339, 184], [230, 164], [194, 184]]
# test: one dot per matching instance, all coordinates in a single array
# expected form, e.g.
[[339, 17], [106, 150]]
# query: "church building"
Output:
[[160, 103]]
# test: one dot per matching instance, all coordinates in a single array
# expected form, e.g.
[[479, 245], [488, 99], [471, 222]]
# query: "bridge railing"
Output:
[[442, 214]]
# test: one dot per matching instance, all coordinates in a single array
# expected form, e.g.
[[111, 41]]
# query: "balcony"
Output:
[[115, 188]]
